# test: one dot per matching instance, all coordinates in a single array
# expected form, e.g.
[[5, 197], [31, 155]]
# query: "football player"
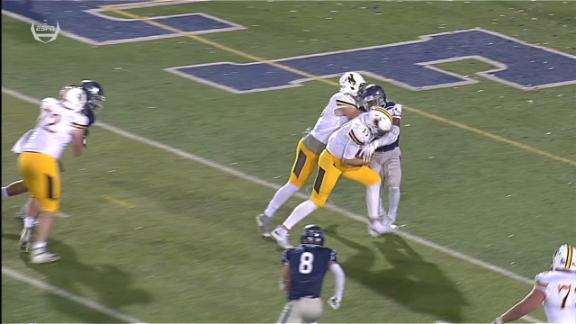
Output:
[[342, 107], [340, 158], [94, 100], [60, 123], [303, 274], [555, 288], [384, 152]]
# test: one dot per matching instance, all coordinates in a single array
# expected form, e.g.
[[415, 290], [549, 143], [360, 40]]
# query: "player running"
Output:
[[340, 158], [303, 275], [342, 107], [555, 288]]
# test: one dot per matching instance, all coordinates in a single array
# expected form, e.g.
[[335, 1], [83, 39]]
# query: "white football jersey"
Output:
[[346, 142], [53, 131], [560, 302], [329, 121]]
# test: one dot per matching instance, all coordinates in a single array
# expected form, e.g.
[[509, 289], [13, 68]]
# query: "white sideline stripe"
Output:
[[265, 183], [68, 295]]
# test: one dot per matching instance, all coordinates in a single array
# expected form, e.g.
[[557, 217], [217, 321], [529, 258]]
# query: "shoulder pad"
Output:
[[48, 103], [344, 99], [359, 133]]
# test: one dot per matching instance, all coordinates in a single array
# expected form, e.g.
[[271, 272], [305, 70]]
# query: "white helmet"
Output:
[[378, 120], [352, 83], [73, 98], [565, 258]]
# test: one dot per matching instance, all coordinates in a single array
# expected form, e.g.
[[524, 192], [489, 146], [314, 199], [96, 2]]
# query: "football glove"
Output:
[[498, 321], [367, 151], [334, 302]]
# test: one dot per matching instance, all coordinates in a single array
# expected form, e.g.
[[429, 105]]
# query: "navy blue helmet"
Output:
[[94, 93], [312, 235], [373, 95]]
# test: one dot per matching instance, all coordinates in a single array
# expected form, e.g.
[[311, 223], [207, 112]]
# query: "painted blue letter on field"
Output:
[[85, 20], [408, 64]]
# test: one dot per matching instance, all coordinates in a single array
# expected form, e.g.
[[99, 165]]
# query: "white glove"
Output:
[[334, 302], [367, 152], [498, 321], [396, 111]]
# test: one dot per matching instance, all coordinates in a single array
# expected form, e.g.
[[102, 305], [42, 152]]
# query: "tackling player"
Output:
[[303, 274], [340, 158], [341, 108], [555, 288], [60, 123], [384, 152]]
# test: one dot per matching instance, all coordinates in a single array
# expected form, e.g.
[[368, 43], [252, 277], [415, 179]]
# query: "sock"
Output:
[[373, 200], [394, 200], [299, 213], [381, 210], [280, 198], [29, 221], [39, 245], [4, 193]]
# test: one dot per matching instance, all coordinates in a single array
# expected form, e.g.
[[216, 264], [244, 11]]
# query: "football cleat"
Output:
[[281, 237], [378, 228], [42, 255], [25, 239], [263, 222]]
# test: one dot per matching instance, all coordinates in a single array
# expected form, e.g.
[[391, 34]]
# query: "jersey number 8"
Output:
[[306, 264]]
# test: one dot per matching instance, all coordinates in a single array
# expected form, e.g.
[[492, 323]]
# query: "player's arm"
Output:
[[285, 279], [78, 136], [346, 108], [531, 302], [339, 283], [352, 149]]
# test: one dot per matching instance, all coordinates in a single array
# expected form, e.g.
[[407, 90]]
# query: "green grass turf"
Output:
[[188, 248], [194, 250]]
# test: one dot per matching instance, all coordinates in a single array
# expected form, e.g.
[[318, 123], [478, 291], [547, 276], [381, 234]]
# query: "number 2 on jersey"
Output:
[[306, 264], [50, 119]]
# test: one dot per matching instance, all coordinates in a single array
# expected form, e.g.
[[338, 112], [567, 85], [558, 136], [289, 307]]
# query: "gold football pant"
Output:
[[306, 160], [42, 178], [330, 169]]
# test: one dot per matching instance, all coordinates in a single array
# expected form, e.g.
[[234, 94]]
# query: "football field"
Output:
[[206, 102]]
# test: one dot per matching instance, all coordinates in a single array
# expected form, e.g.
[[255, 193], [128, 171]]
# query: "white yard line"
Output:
[[68, 295], [242, 175]]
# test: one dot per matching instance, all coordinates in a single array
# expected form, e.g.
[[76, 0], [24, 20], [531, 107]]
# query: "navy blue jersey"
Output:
[[396, 143], [308, 265]]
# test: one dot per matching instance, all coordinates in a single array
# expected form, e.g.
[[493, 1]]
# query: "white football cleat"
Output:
[[263, 222], [378, 228], [42, 255], [281, 237]]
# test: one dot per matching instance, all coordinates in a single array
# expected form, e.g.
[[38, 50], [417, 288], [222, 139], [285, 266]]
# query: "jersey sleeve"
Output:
[[80, 121], [343, 100], [333, 256], [541, 281], [357, 137]]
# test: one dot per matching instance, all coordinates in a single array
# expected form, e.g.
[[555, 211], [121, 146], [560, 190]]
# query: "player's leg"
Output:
[[310, 309], [14, 189], [326, 179], [371, 179], [377, 166], [304, 164], [43, 180], [393, 175], [288, 314]]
